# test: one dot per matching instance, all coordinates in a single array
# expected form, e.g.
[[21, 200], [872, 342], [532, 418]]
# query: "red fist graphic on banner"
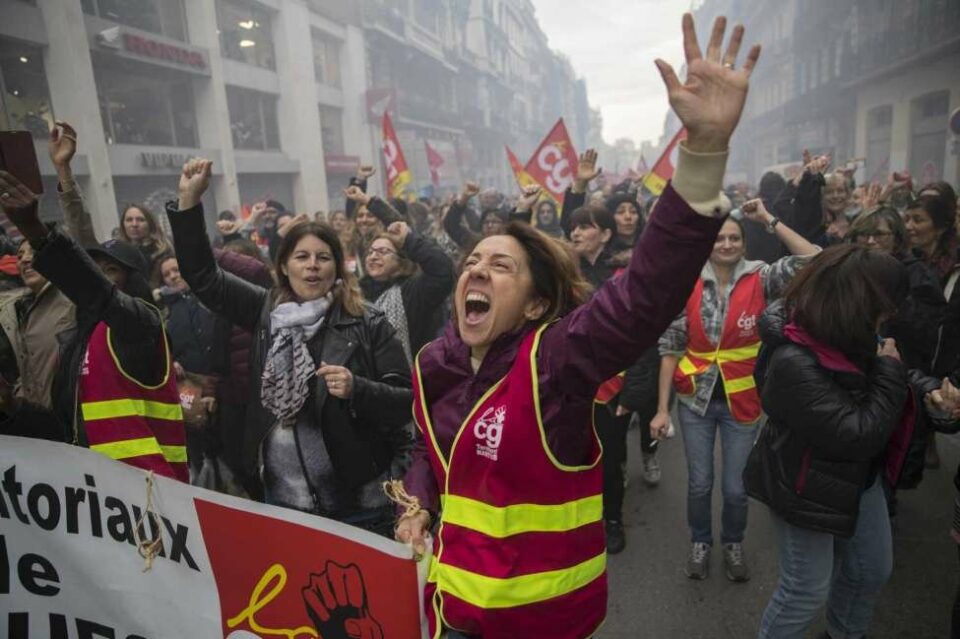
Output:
[[336, 601]]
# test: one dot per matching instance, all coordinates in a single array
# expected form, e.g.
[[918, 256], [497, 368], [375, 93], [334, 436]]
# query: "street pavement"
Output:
[[650, 598]]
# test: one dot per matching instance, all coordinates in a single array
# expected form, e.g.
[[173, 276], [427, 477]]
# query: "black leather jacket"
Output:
[[826, 433], [364, 434]]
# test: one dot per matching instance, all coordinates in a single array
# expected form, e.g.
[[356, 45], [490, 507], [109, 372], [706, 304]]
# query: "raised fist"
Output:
[[365, 172], [336, 601]]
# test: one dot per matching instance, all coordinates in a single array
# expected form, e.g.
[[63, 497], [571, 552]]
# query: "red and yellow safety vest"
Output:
[[128, 421], [735, 355], [520, 551]]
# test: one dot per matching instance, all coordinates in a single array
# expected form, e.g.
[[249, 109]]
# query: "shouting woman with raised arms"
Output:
[[507, 459]]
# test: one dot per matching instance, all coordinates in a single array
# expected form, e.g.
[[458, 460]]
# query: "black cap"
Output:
[[123, 253], [276, 206]]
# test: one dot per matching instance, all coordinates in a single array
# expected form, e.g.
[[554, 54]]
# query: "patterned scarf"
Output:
[[391, 303], [290, 367]]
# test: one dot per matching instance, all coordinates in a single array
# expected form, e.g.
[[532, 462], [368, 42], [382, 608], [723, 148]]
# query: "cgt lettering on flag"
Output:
[[553, 163]]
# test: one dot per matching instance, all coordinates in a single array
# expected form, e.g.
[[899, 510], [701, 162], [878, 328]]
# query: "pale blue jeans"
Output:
[[818, 568]]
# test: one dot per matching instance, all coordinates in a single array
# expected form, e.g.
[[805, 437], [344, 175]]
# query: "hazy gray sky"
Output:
[[612, 43]]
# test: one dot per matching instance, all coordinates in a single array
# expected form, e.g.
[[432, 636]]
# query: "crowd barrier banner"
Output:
[[227, 567]]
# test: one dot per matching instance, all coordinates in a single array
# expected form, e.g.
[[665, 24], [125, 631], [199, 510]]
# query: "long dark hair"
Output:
[[843, 293], [347, 291]]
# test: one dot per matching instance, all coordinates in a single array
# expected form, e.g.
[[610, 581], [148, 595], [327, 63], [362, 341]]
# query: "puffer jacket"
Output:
[[364, 434], [827, 434]]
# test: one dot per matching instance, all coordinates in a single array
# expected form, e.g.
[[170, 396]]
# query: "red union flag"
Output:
[[520, 175], [663, 169], [554, 162], [397, 172], [434, 162]]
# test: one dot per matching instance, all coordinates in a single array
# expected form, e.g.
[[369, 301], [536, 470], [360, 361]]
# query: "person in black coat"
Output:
[[412, 301], [330, 383], [840, 414]]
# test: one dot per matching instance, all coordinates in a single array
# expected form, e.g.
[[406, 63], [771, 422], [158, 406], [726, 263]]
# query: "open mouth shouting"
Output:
[[476, 308]]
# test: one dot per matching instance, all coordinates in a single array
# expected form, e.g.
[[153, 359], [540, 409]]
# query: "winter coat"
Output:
[[827, 431], [364, 433], [423, 294], [197, 340]]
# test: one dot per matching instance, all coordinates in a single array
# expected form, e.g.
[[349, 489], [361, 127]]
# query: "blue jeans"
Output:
[[819, 568], [736, 441]]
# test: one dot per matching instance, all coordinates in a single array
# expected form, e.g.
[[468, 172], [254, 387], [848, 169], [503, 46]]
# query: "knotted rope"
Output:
[[149, 548]]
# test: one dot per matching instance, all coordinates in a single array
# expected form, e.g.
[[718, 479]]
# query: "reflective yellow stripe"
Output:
[[127, 448], [490, 592], [115, 408], [739, 385], [729, 355], [687, 367], [174, 453], [510, 520]]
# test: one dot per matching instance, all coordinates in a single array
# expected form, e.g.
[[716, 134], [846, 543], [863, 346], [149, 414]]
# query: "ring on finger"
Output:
[[728, 65]]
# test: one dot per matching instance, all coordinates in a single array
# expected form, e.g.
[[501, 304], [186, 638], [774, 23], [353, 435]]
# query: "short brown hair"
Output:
[[868, 223], [556, 275], [841, 295]]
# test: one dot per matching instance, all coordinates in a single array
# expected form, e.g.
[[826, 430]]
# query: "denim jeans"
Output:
[[818, 568], [736, 441]]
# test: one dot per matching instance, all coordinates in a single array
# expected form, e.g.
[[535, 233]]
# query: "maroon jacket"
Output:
[[586, 347], [234, 387]]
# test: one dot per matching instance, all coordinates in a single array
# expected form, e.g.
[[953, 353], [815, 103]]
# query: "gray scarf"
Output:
[[289, 367]]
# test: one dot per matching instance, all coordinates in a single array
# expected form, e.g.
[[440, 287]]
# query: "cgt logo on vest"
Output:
[[488, 430], [747, 324]]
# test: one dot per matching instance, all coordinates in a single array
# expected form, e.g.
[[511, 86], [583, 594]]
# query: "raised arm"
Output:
[[136, 326], [223, 293], [523, 212], [795, 243], [77, 221], [453, 222], [430, 287], [576, 195], [628, 313]]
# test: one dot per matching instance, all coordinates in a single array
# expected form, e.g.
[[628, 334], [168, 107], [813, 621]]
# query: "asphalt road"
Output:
[[651, 598]]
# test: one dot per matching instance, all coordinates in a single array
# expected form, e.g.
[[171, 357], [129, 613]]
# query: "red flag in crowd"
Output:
[[397, 171], [663, 169], [519, 173], [434, 161], [554, 162]]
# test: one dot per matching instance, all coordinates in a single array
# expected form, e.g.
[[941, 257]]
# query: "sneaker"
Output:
[[698, 564], [651, 469], [737, 570], [616, 541]]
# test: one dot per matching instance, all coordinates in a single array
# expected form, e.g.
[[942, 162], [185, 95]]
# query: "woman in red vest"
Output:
[[507, 460], [708, 357]]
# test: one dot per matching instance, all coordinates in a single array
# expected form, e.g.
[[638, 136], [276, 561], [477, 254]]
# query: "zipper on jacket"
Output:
[[805, 462]]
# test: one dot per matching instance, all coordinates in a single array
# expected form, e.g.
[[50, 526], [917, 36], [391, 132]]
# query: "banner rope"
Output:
[[149, 548], [398, 494]]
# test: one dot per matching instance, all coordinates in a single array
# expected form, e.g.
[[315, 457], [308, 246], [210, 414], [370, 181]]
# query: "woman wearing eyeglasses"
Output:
[[408, 277]]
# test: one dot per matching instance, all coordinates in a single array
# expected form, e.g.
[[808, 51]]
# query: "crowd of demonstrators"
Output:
[[289, 349]]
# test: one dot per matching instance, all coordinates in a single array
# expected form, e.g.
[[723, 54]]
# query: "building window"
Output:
[[879, 131], [137, 109], [24, 97], [164, 17], [245, 34], [253, 119], [331, 130], [928, 135], [326, 60]]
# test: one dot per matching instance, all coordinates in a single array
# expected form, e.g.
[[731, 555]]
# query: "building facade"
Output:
[[866, 80], [285, 96]]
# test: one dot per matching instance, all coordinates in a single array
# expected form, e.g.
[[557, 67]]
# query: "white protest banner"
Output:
[[70, 569]]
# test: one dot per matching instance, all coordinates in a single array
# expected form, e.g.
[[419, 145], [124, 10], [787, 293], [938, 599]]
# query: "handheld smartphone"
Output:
[[18, 157]]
